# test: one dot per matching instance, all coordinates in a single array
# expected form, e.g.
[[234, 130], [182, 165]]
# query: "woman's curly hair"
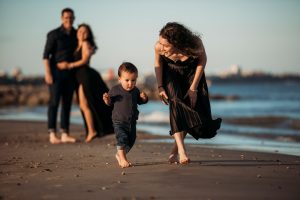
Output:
[[182, 39]]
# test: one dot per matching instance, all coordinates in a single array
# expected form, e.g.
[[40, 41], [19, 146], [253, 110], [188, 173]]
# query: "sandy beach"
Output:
[[31, 168]]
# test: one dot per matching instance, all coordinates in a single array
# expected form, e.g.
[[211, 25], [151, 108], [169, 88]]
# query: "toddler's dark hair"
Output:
[[127, 67]]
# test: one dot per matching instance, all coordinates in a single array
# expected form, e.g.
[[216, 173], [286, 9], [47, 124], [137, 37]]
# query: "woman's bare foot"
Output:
[[122, 161], [53, 139], [90, 137], [183, 159], [173, 158], [65, 138]]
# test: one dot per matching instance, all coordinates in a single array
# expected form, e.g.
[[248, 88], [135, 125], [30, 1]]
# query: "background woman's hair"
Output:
[[182, 39], [90, 37]]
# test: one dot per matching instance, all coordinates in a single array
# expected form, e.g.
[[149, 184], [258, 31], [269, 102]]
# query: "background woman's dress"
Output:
[[93, 88], [177, 78]]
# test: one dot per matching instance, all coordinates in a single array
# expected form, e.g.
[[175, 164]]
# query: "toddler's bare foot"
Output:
[[183, 159], [65, 138], [90, 137], [173, 158], [123, 163], [53, 139]]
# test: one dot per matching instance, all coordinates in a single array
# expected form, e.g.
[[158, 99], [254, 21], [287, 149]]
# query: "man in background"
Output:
[[60, 46]]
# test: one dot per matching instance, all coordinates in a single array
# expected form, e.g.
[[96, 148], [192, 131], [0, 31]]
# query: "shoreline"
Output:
[[262, 142], [90, 171]]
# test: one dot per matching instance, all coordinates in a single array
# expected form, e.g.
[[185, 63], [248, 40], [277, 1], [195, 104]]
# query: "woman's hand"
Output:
[[163, 96], [192, 94], [63, 65]]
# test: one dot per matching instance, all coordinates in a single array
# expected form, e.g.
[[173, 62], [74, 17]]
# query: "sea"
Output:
[[255, 99]]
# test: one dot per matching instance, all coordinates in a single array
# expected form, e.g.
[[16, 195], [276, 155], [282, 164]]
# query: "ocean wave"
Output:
[[156, 117]]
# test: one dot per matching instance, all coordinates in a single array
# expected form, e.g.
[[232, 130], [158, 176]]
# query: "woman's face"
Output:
[[82, 33], [167, 49]]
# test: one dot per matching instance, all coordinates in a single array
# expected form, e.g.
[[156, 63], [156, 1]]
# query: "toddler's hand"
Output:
[[144, 96], [106, 98]]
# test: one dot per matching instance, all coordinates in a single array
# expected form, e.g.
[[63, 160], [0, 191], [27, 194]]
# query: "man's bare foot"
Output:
[[53, 139], [123, 163], [90, 137], [183, 159], [65, 138], [173, 158]]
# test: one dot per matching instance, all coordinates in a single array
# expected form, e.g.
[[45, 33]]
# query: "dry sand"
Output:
[[31, 168]]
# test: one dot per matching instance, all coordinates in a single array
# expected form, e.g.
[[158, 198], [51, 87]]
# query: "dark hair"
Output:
[[70, 10], [182, 39], [90, 37], [127, 67]]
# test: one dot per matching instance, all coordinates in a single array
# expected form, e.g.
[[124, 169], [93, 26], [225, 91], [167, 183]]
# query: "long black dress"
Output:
[[93, 88], [177, 78]]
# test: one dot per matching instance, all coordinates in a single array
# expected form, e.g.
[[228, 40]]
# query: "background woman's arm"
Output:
[[87, 52]]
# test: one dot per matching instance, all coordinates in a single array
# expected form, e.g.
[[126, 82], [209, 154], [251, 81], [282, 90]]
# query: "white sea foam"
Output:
[[156, 117]]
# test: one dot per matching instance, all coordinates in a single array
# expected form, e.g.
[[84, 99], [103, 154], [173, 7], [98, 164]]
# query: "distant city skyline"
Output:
[[255, 35]]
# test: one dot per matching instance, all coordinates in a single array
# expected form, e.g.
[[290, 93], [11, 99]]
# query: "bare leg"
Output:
[[53, 139], [173, 158], [87, 114], [179, 138], [122, 159]]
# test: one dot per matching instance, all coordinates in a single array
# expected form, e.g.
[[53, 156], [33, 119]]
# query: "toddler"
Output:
[[124, 98]]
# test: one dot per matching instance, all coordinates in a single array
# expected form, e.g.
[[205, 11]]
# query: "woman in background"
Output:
[[91, 87]]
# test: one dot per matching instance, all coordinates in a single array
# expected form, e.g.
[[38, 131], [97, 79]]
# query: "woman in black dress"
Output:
[[91, 87], [180, 59]]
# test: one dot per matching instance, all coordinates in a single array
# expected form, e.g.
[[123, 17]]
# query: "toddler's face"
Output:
[[128, 80]]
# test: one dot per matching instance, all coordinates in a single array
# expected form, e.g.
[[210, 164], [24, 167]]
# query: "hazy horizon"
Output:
[[256, 35]]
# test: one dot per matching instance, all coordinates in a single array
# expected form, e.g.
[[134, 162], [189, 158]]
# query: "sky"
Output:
[[257, 35]]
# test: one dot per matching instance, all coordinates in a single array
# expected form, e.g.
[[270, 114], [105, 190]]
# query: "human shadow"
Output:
[[242, 163], [225, 163]]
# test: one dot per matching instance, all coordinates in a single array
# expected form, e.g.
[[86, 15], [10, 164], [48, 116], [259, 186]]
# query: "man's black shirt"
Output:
[[60, 46]]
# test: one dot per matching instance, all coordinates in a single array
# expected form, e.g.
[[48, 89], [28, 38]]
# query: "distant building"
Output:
[[235, 70], [109, 75], [150, 81], [3, 73], [17, 74]]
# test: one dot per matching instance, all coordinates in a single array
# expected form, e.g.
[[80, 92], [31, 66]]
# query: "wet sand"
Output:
[[31, 168], [266, 121]]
